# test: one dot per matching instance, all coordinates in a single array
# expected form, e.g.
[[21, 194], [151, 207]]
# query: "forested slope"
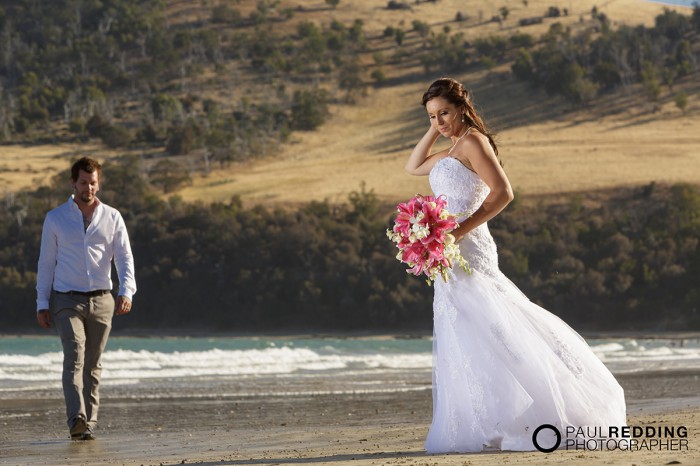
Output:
[[627, 259]]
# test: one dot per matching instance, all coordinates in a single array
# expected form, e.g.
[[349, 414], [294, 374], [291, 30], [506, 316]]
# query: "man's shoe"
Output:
[[88, 434], [78, 430]]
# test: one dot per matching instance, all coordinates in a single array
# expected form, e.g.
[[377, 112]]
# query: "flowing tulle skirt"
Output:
[[502, 366]]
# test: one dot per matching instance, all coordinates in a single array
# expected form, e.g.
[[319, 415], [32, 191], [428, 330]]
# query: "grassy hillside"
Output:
[[369, 143], [548, 145]]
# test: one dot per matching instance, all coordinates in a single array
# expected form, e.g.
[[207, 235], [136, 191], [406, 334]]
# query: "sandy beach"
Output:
[[364, 428]]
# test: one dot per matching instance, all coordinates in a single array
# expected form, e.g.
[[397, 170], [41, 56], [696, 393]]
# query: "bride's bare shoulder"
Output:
[[474, 143]]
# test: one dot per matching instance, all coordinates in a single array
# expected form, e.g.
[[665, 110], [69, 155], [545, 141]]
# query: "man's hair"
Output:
[[85, 164]]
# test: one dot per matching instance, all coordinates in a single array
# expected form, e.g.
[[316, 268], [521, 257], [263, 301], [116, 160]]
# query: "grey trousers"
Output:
[[83, 323]]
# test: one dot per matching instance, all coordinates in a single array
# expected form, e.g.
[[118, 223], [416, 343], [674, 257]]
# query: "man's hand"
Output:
[[122, 306], [44, 318]]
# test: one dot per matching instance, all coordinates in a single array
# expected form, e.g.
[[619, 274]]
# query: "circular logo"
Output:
[[556, 433]]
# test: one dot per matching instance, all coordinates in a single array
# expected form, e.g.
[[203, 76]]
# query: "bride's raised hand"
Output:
[[420, 162]]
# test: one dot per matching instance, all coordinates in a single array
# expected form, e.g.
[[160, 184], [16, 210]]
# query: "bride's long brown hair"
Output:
[[453, 91]]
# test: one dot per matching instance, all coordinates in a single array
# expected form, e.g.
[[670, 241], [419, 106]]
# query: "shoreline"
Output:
[[667, 388]]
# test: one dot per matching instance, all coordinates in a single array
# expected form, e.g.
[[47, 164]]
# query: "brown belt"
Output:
[[89, 294]]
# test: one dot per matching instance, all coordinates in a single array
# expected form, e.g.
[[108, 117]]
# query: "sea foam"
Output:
[[213, 359]]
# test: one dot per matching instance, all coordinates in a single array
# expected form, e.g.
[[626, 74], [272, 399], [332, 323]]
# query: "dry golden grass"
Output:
[[24, 166], [31, 166], [547, 147], [370, 142]]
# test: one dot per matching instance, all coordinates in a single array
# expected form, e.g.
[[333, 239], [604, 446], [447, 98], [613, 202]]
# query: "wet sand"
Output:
[[366, 429]]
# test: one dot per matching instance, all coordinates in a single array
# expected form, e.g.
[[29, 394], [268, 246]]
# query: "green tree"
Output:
[[399, 34], [492, 46], [672, 24], [681, 101], [504, 11], [309, 109], [683, 57], [521, 40], [182, 138], [166, 107], [522, 67], [39, 100], [378, 76], [378, 58], [421, 27], [695, 17], [115, 136], [96, 125], [606, 74], [225, 14], [350, 79], [168, 175], [650, 81], [668, 75], [576, 86]]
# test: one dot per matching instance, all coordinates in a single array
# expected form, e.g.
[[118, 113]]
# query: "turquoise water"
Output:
[[688, 3], [251, 366], [36, 345], [261, 366]]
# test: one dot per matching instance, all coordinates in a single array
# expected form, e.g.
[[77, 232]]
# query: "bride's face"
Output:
[[444, 116]]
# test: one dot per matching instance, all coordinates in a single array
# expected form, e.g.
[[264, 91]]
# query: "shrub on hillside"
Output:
[[378, 76], [168, 175], [182, 138], [521, 40], [77, 126], [553, 12], [396, 5], [95, 125], [309, 109], [225, 14], [115, 136], [523, 68], [681, 100]]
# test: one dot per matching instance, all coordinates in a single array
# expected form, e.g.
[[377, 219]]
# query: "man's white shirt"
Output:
[[73, 259]]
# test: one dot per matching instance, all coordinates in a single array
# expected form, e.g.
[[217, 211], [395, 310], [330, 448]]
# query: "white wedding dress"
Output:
[[502, 365]]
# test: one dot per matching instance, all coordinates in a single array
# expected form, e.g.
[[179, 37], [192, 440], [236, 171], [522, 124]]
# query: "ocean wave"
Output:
[[128, 364], [122, 366]]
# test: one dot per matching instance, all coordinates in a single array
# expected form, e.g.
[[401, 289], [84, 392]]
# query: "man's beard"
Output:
[[87, 197]]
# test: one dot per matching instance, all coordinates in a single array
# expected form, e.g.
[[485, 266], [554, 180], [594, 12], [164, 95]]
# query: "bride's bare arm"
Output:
[[420, 162], [478, 152]]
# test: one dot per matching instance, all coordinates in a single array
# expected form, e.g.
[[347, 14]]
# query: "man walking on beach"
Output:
[[79, 240]]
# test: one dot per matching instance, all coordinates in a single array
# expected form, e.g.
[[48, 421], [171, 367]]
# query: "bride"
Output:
[[502, 366]]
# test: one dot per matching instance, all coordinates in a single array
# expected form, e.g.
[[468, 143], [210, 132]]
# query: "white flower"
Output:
[[420, 231], [395, 237], [417, 218]]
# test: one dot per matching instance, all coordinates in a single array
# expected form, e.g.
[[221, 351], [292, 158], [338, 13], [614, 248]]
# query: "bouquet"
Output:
[[422, 234]]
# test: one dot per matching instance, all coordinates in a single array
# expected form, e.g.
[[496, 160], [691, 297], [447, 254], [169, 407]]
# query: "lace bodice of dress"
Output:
[[465, 191]]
